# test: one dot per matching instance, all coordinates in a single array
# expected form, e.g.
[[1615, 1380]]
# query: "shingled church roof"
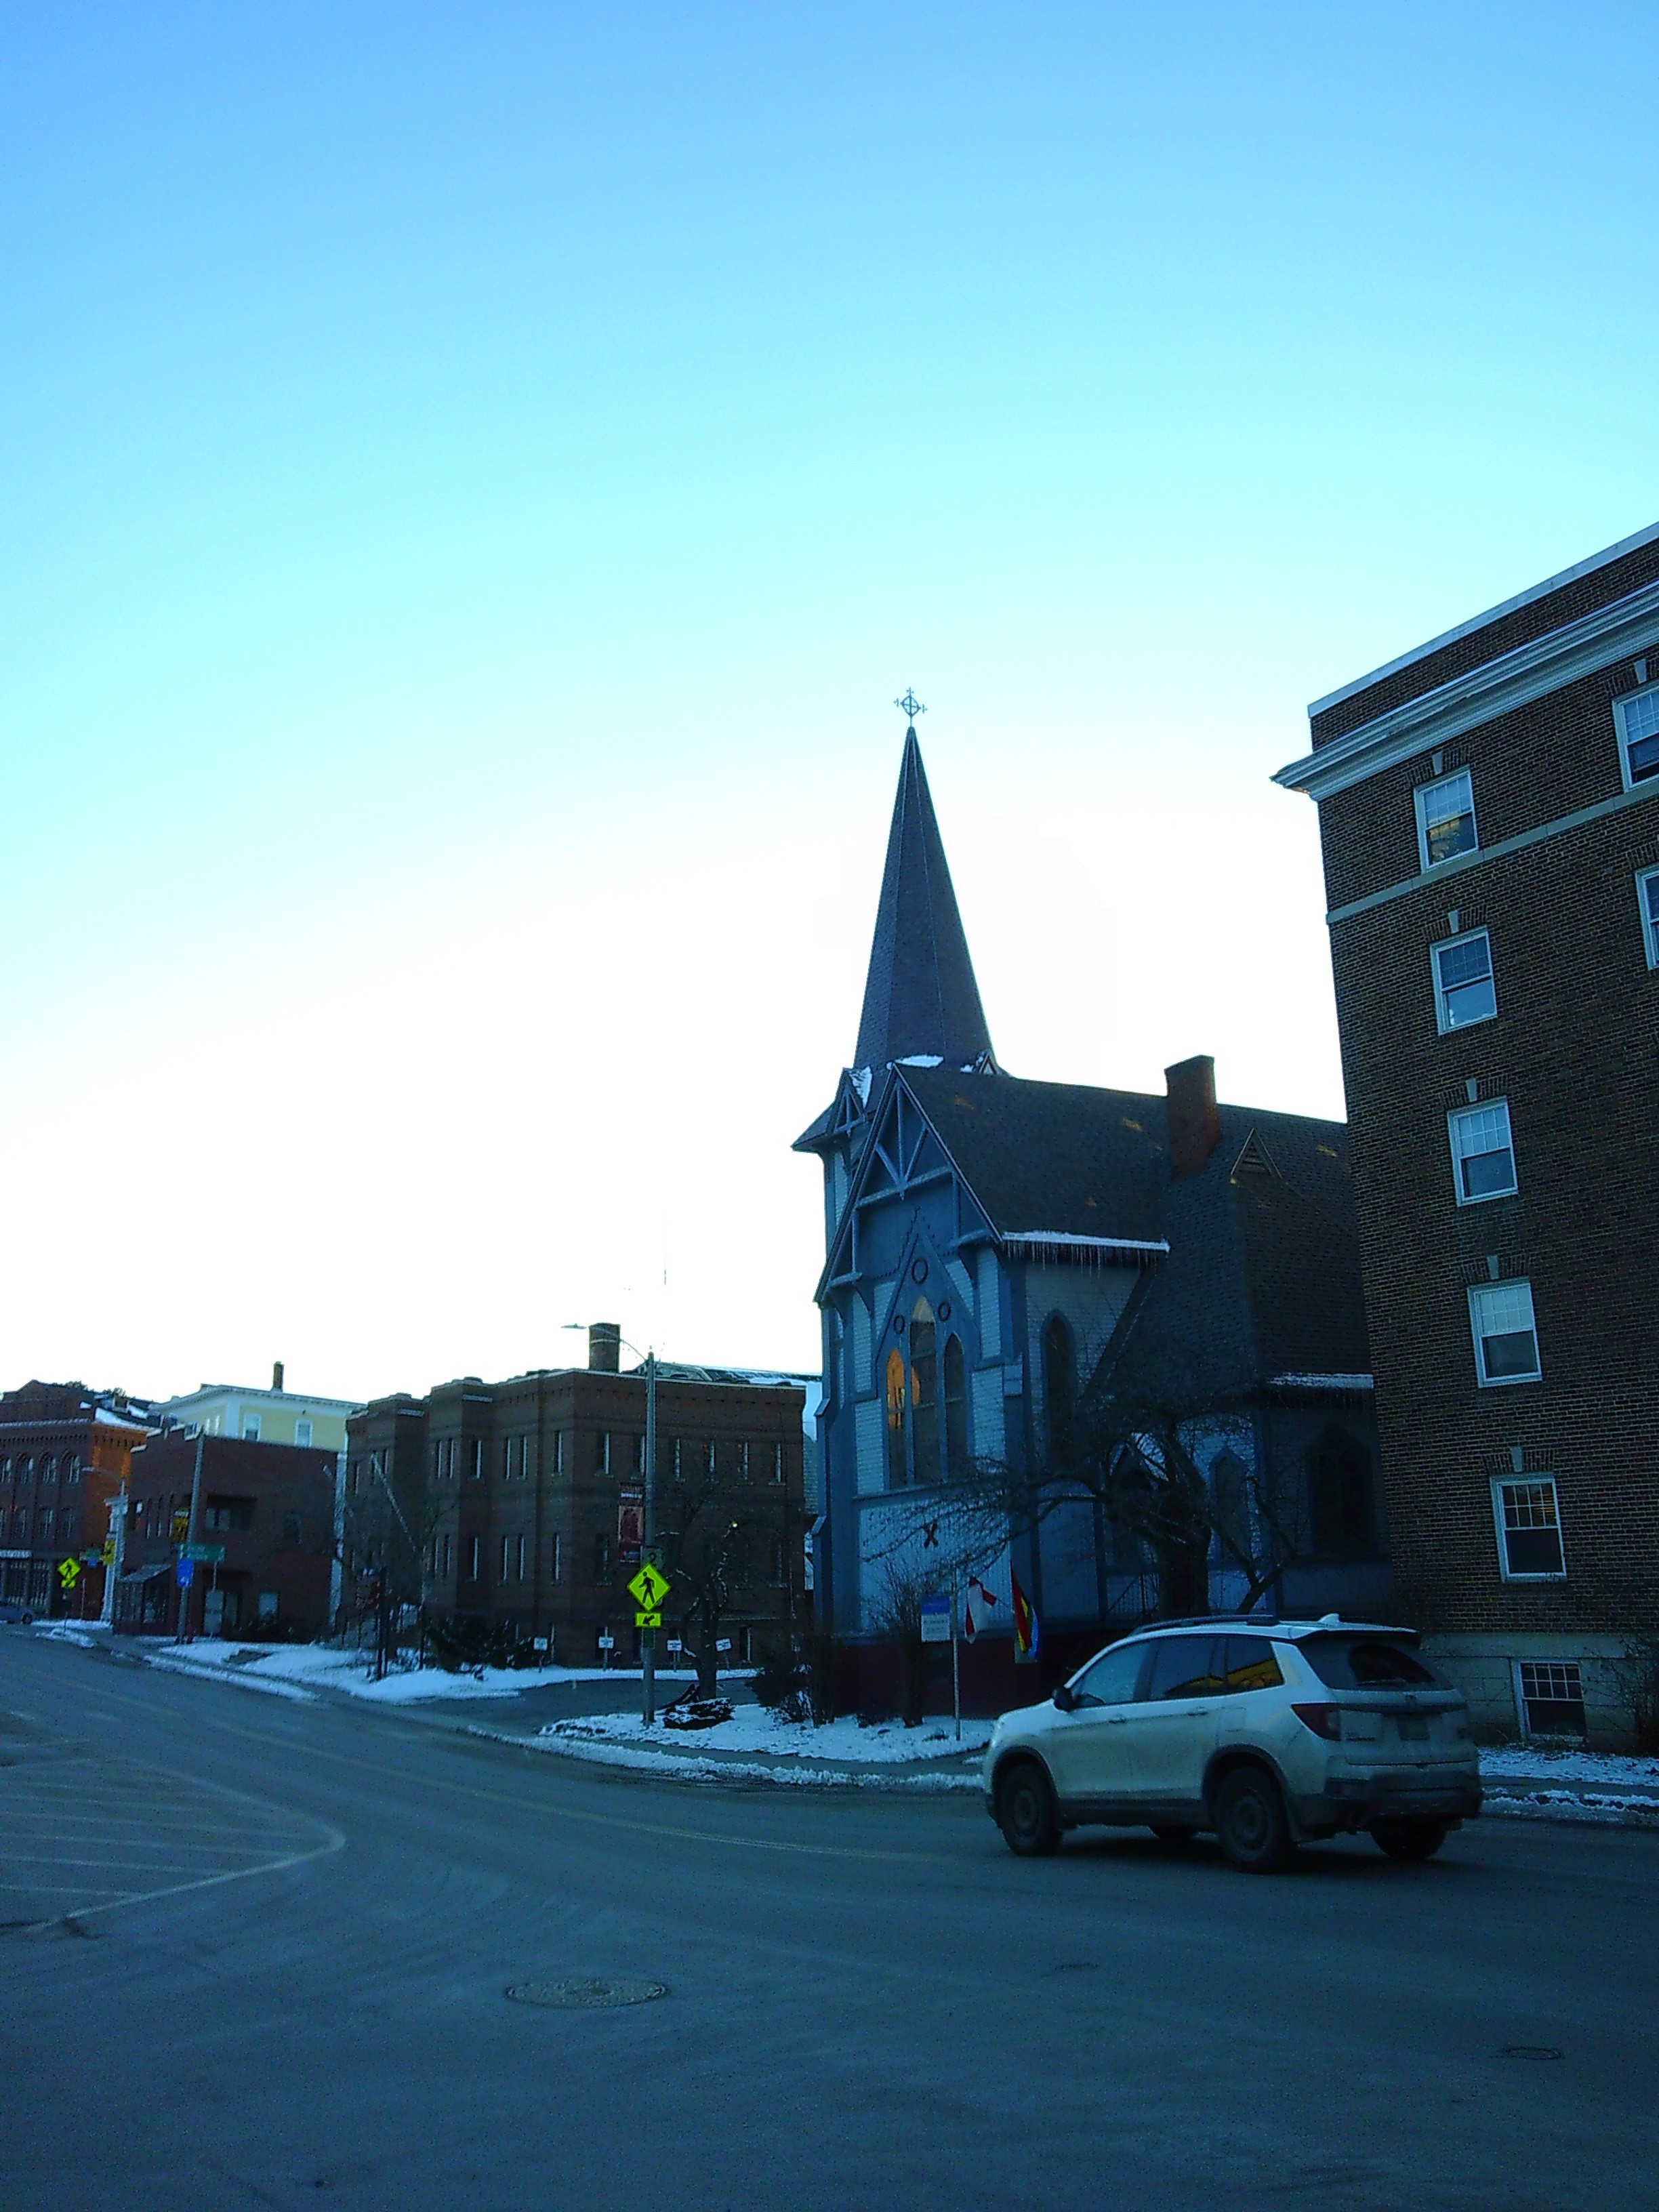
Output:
[[919, 999]]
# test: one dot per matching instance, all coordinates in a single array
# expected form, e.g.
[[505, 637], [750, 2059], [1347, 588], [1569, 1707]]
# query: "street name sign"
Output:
[[210, 1555], [649, 1588]]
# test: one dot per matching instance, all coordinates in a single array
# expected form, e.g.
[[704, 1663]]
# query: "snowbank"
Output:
[[754, 1728]]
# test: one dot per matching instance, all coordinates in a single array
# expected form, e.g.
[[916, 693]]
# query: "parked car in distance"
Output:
[[11, 1612], [1267, 1733]]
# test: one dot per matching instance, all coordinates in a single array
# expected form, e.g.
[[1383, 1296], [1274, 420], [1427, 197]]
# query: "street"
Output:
[[302, 2000]]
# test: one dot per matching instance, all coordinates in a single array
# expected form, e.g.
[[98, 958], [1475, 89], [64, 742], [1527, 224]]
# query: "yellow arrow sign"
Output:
[[69, 1571], [648, 1620], [650, 1587]]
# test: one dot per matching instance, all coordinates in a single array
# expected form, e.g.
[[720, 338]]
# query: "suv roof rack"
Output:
[[1211, 1620]]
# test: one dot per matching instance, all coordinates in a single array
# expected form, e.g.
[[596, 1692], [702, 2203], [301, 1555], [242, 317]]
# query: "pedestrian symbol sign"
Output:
[[649, 1588], [68, 1572]]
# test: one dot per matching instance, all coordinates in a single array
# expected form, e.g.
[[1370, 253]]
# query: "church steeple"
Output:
[[920, 997]]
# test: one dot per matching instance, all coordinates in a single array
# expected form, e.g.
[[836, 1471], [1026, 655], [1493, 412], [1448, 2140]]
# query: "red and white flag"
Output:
[[982, 1609]]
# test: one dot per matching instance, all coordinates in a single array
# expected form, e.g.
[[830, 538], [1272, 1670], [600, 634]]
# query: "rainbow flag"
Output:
[[1028, 1636]]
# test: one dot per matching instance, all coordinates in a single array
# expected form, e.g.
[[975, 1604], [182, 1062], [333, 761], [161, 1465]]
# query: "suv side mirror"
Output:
[[1064, 1700]]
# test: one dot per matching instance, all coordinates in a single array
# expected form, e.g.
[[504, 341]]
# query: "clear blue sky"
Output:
[[474, 478]]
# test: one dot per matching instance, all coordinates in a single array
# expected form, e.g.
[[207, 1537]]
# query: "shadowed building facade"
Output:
[[1489, 818], [999, 1251]]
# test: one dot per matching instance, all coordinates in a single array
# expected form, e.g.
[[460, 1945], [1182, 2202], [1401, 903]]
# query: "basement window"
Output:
[[1483, 1151], [1445, 819], [1550, 1696], [1528, 1530]]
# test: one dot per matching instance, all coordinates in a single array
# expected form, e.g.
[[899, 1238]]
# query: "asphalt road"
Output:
[[265, 1950]]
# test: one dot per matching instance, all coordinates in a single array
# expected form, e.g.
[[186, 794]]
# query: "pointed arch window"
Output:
[[1058, 1384], [955, 1368], [895, 1465], [924, 1393]]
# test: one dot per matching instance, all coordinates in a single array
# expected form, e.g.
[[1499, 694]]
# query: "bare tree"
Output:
[[712, 1530], [384, 1544]]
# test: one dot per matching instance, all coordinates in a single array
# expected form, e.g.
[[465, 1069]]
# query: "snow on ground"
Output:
[[1569, 1770], [330, 1667], [754, 1728]]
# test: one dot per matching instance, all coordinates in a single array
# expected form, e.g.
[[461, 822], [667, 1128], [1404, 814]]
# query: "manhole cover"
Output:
[[1529, 2051], [587, 1993]]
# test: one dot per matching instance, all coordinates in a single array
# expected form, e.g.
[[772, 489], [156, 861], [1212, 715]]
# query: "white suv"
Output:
[[1271, 1733]]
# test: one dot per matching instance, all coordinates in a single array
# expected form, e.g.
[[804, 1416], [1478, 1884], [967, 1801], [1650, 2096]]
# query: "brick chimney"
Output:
[[275, 1374], [1194, 1121], [605, 1346]]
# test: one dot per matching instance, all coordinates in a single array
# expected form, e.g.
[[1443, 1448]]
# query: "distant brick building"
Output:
[[272, 1509], [1491, 837], [522, 1498], [64, 1452]]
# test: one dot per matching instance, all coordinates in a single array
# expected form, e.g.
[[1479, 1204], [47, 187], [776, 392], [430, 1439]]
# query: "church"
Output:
[[1007, 1261]]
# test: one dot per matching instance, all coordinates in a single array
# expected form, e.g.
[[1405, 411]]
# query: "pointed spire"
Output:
[[920, 997]]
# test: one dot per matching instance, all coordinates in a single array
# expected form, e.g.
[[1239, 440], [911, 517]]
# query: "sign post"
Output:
[[956, 1658], [938, 1625], [650, 1617]]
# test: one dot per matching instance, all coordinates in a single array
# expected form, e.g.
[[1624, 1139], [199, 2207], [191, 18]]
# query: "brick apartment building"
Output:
[[1489, 814], [64, 1452], [271, 1506], [523, 1498]]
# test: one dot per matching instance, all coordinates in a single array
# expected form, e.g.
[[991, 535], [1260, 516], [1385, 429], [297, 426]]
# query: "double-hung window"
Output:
[[1445, 818], [1464, 991], [1505, 1333], [1549, 1694], [1647, 898], [1528, 1530], [1483, 1152], [1637, 717]]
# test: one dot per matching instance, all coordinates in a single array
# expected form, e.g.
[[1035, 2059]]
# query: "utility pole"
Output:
[[648, 1543], [190, 1534]]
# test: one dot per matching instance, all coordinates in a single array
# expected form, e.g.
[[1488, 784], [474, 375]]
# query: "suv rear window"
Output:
[[1367, 1663]]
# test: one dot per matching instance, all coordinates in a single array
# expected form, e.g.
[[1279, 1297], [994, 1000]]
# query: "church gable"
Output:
[[903, 1165]]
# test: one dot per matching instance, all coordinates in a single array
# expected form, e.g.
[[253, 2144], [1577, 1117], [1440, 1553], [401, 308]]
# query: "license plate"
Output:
[[1413, 1728]]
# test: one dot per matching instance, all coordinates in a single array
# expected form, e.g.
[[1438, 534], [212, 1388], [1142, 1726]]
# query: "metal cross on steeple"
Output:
[[909, 705]]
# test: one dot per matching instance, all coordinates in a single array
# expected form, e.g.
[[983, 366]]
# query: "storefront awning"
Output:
[[145, 1574]]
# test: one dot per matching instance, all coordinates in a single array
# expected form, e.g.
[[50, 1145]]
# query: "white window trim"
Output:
[[1418, 796], [1482, 1106], [1446, 944], [1643, 691], [1515, 1665], [1650, 930], [1499, 1483], [1503, 1382]]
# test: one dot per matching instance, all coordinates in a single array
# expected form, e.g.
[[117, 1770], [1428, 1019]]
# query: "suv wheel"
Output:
[[1026, 1813], [1251, 1824], [1409, 1839]]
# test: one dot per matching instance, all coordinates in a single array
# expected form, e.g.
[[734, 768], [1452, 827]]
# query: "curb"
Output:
[[674, 1766], [1515, 1802]]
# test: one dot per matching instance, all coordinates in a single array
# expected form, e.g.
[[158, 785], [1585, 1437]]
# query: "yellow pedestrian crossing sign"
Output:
[[649, 1588], [68, 1572]]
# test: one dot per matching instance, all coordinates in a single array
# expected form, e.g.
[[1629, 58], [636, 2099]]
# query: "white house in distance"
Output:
[[275, 1416]]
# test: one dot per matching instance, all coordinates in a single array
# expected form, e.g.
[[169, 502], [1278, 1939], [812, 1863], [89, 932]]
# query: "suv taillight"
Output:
[[1323, 1720]]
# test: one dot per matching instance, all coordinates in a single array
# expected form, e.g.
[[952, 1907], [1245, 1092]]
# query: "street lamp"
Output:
[[648, 1530]]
